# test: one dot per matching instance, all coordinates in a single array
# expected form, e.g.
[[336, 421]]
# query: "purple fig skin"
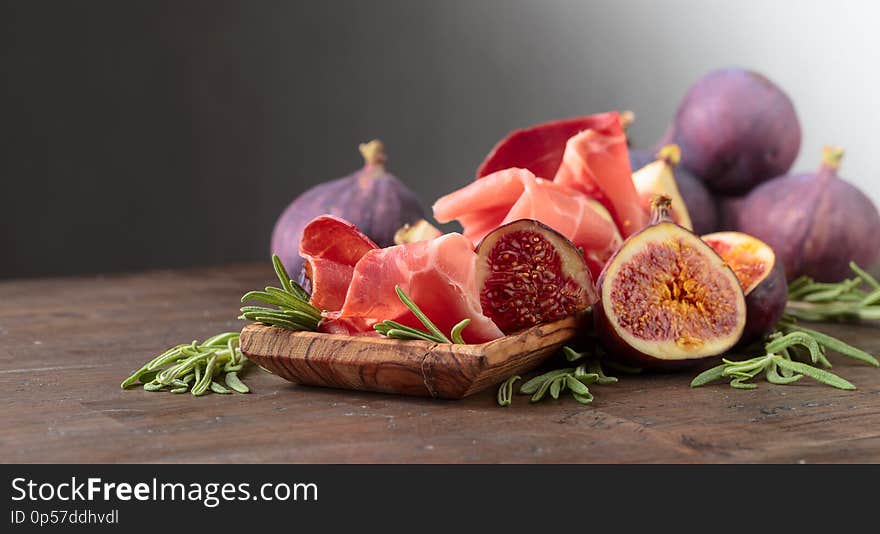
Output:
[[623, 353], [699, 202], [372, 199], [765, 305], [728, 209], [736, 129], [816, 223]]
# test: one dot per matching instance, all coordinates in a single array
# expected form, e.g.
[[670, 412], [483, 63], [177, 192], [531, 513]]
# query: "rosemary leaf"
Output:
[[709, 375], [235, 383], [396, 330], [774, 377], [861, 273], [817, 374], [585, 398], [218, 388], [572, 355], [420, 315], [455, 334], [533, 385], [836, 345], [556, 385], [505, 392], [576, 386], [281, 272]]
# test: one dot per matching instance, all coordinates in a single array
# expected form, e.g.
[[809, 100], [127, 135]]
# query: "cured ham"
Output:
[[331, 247], [439, 275], [539, 148], [596, 163], [587, 154], [513, 194]]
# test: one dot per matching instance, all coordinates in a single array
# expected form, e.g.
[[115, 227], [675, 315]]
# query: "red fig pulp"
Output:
[[667, 299], [527, 274], [816, 223], [761, 277]]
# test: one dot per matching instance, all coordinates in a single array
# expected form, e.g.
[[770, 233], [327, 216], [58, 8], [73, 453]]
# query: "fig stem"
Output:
[[627, 118], [373, 153], [831, 157], [670, 154], [661, 206]]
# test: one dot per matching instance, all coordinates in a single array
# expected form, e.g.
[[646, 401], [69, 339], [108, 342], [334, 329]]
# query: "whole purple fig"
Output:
[[817, 223], [736, 129], [372, 199], [697, 198]]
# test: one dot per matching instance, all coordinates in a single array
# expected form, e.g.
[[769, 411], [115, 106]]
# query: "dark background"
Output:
[[136, 135]]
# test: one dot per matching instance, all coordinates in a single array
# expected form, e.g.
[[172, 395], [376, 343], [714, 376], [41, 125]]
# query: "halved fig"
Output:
[[760, 275], [657, 178], [422, 230], [667, 299], [528, 273]]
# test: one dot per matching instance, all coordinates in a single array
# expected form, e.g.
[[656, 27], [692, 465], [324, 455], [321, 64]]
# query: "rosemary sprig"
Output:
[[292, 309], [396, 330], [195, 367], [779, 365], [557, 381], [817, 301]]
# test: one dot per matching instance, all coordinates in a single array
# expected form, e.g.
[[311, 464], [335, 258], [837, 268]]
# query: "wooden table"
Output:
[[66, 344]]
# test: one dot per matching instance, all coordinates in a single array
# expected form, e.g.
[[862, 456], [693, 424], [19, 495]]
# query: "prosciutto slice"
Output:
[[439, 275], [331, 247], [539, 148], [513, 194], [596, 163]]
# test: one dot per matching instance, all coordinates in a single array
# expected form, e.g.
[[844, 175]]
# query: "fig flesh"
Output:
[[760, 275], [666, 299], [699, 202], [528, 273], [422, 230], [657, 178], [736, 129], [816, 222]]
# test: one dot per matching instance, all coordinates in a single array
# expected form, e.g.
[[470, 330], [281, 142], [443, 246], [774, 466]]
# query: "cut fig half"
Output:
[[762, 279], [657, 178], [667, 299], [528, 273]]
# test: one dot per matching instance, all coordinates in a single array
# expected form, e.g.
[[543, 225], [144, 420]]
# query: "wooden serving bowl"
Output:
[[421, 368]]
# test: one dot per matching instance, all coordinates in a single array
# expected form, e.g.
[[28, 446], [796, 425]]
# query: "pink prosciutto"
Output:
[[514, 194], [539, 148], [596, 163], [587, 154], [331, 247], [439, 275]]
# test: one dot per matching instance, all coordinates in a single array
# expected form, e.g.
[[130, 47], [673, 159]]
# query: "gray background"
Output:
[[136, 135]]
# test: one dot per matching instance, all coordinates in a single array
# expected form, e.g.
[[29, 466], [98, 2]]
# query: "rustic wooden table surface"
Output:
[[65, 345]]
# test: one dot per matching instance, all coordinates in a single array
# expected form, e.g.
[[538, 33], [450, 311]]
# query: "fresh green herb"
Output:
[[556, 382], [395, 330], [505, 392], [292, 310], [815, 301], [779, 365], [194, 367]]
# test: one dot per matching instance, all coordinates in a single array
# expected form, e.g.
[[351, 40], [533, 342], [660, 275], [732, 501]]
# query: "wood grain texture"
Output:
[[67, 343], [417, 368]]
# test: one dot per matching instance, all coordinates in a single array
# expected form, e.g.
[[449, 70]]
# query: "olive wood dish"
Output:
[[421, 368]]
